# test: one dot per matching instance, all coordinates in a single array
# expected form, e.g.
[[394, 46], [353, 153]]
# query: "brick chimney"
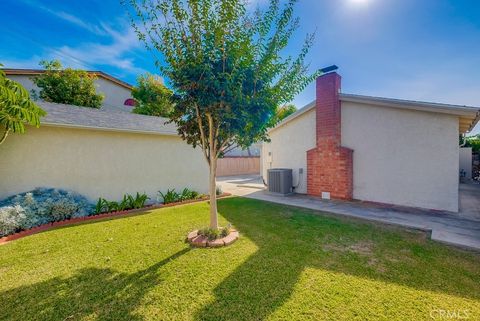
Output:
[[329, 165]]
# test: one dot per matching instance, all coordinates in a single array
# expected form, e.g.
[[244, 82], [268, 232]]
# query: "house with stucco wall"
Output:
[[117, 93], [344, 146], [100, 153]]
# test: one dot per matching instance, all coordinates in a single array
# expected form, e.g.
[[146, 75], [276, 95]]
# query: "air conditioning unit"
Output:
[[280, 181]]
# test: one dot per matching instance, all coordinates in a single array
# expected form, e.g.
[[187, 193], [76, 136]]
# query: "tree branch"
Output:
[[202, 133], [5, 134]]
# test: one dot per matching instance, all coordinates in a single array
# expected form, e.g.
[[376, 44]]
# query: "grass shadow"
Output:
[[100, 294], [290, 240]]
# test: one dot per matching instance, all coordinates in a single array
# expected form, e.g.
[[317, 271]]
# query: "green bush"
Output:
[[171, 196], [213, 234], [128, 202]]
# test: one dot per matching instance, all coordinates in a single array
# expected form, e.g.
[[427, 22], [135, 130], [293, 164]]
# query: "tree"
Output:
[[152, 97], [16, 108], [225, 67], [471, 141], [284, 111], [67, 86]]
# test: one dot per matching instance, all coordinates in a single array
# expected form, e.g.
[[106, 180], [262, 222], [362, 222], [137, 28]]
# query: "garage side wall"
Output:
[[288, 148], [402, 157], [99, 163]]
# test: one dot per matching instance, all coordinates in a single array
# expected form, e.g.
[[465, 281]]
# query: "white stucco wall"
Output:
[[466, 161], [288, 147], [402, 157], [99, 163], [114, 94]]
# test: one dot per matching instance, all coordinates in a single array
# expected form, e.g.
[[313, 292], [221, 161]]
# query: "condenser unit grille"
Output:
[[280, 181]]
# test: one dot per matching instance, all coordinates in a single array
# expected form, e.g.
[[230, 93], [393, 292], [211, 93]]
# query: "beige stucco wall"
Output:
[[288, 147], [99, 163], [402, 157], [114, 95], [466, 161]]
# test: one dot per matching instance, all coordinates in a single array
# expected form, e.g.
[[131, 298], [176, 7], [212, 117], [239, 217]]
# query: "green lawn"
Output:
[[288, 264]]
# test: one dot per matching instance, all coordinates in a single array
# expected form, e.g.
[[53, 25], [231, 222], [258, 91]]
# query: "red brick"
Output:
[[192, 235], [230, 238], [329, 165]]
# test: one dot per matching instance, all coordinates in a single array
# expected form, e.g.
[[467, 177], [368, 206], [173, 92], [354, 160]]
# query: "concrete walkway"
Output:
[[444, 227]]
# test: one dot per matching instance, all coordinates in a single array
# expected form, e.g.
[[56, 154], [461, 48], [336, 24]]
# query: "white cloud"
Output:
[[119, 53], [67, 17], [116, 53]]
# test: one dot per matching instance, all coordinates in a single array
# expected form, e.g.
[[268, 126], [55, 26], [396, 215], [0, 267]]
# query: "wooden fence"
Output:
[[238, 165]]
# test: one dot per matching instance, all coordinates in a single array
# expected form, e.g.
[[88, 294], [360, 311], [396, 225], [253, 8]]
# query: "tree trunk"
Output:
[[4, 136], [213, 194]]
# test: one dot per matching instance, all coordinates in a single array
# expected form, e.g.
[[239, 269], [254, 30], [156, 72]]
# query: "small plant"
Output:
[[218, 190], [139, 200], [210, 233], [188, 194], [224, 231], [128, 202], [170, 196], [213, 234], [124, 204], [101, 206]]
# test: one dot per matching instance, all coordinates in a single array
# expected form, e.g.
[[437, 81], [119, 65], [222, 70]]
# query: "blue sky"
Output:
[[413, 49]]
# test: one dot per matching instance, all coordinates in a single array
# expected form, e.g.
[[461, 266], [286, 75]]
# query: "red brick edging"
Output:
[[202, 241], [72, 221]]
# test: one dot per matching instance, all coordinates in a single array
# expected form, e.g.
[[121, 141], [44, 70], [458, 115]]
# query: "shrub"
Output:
[[213, 234], [188, 194], [127, 203], [41, 206], [218, 190], [210, 233], [170, 196], [12, 219]]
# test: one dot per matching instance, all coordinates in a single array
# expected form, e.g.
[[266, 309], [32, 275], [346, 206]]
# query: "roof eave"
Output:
[[108, 129], [101, 74]]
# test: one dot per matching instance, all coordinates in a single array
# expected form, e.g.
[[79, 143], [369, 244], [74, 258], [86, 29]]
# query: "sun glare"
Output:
[[359, 1]]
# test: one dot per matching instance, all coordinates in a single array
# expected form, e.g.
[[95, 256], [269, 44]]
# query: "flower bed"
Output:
[[77, 220], [197, 240]]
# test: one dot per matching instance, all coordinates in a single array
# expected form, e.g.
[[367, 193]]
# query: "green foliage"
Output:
[[67, 86], [283, 112], [472, 141], [224, 64], [289, 264], [224, 231], [226, 68], [218, 190], [152, 97], [171, 196], [128, 202], [101, 206], [188, 194], [210, 233], [215, 233], [16, 108]]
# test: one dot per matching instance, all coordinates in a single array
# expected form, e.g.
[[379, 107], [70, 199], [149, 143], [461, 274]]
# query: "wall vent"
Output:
[[280, 181]]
